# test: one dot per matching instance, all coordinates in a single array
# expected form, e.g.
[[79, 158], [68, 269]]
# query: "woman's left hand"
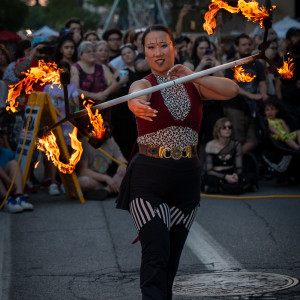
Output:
[[178, 71]]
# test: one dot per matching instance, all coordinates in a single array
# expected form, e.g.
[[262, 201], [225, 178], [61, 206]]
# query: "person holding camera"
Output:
[[203, 56]]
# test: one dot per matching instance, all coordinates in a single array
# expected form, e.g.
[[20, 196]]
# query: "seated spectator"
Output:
[[92, 36], [94, 177], [278, 128], [224, 163], [17, 201]]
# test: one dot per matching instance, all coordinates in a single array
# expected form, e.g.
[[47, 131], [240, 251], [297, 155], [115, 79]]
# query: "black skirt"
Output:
[[174, 182]]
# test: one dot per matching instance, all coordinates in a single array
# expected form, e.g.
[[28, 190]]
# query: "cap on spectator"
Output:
[[38, 40], [111, 31], [292, 32], [182, 38]]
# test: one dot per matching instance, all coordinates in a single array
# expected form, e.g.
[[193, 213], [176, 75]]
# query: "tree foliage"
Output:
[[59, 11], [13, 14]]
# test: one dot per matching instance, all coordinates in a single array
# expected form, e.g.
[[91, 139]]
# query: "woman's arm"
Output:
[[141, 106], [210, 87]]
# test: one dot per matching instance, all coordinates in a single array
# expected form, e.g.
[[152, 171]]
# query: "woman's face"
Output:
[[88, 55], [272, 50], [160, 52], [102, 53], [128, 56], [92, 38], [225, 130], [201, 49], [67, 49]]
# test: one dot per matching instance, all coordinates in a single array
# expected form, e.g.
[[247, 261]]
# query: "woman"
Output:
[[90, 78], [92, 37], [161, 188], [65, 50], [123, 121], [203, 56], [224, 163]]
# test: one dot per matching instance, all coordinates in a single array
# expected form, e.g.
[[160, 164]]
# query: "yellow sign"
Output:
[[44, 113]]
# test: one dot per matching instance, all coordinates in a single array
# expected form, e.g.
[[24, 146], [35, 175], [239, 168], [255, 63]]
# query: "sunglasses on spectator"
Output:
[[226, 127]]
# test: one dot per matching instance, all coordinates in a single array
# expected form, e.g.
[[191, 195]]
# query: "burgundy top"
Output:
[[164, 118]]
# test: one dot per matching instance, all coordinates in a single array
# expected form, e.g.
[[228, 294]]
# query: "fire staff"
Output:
[[161, 188]]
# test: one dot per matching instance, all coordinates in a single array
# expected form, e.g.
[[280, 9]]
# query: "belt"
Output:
[[165, 152]]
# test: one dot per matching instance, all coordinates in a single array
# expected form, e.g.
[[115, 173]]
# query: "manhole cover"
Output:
[[231, 283]]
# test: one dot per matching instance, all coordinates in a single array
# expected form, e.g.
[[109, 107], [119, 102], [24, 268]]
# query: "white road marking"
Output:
[[209, 251]]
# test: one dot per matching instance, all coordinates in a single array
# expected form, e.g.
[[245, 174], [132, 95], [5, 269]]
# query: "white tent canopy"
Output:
[[45, 31], [281, 27]]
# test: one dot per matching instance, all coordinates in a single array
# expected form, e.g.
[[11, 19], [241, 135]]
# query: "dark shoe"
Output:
[[212, 190], [99, 195]]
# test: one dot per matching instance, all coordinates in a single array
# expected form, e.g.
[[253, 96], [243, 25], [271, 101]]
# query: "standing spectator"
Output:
[[242, 109], [141, 65], [123, 120], [23, 49], [289, 89], [203, 56], [75, 26], [17, 201], [4, 60], [65, 50], [91, 36], [182, 48], [113, 37]]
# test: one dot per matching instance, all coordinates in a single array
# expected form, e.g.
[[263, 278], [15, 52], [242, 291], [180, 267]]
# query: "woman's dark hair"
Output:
[[63, 39], [158, 28], [21, 47], [272, 102], [194, 57]]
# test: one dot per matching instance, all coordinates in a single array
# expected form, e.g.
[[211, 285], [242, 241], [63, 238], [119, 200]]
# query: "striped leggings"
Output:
[[162, 233]]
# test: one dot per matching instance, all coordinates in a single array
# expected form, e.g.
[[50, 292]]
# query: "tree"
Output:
[[13, 14], [59, 11]]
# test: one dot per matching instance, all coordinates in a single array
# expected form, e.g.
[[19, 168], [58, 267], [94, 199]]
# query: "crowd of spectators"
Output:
[[103, 66]]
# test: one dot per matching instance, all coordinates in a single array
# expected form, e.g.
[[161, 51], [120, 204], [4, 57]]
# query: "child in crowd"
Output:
[[278, 128]]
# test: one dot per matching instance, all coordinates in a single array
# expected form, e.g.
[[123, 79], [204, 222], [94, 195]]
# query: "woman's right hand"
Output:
[[231, 178], [142, 109]]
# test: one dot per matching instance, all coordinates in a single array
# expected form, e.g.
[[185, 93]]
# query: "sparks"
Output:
[[49, 146]]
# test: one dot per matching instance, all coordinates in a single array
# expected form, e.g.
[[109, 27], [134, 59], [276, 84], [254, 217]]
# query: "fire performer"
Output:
[[161, 188]]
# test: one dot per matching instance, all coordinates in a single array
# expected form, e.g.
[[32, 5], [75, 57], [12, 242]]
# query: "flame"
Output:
[[214, 7], [250, 10], [287, 70], [82, 96], [240, 76], [49, 146], [95, 119], [44, 73], [36, 164]]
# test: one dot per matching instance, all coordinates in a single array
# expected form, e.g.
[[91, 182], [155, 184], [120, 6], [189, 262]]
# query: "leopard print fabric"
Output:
[[178, 103]]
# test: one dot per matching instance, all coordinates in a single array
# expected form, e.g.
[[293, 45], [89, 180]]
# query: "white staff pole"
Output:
[[168, 84]]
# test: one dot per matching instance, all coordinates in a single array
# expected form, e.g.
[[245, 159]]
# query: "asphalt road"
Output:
[[67, 250]]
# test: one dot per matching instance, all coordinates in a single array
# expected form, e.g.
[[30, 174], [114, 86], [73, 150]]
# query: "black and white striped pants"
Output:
[[162, 233]]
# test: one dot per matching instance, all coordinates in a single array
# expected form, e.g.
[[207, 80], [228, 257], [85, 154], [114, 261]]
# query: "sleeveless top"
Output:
[[178, 119], [94, 82]]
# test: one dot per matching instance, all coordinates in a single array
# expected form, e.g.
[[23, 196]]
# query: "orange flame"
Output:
[[95, 119], [36, 164], [49, 146], [214, 7], [287, 70], [241, 76], [250, 10], [44, 73]]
